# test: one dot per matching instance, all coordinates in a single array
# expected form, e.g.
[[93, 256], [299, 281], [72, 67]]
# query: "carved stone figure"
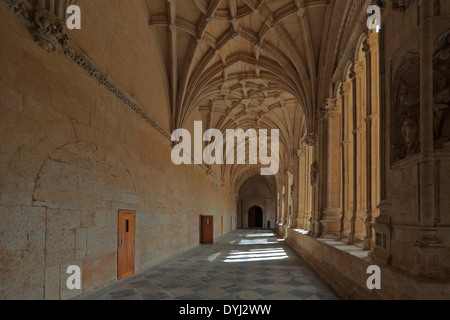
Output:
[[407, 108], [410, 136]]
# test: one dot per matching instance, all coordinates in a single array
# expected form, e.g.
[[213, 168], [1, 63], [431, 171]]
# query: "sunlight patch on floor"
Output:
[[257, 255]]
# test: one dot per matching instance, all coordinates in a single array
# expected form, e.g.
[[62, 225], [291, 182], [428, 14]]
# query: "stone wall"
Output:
[[76, 150], [344, 268]]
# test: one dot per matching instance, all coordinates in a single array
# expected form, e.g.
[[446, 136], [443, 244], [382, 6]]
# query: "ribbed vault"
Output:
[[242, 64]]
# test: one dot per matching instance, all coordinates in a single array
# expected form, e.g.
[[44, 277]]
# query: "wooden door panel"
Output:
[[207, 229], [126, 244]]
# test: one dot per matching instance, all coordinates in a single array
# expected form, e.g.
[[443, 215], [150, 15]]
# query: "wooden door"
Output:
[[207, 229], [126, 243]]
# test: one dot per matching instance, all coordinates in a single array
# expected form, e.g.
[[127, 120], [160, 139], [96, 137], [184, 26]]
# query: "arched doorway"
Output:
[[255, 217]]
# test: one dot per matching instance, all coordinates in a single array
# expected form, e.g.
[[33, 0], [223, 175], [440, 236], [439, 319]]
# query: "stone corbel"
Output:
[[49, 31], [329, 106]]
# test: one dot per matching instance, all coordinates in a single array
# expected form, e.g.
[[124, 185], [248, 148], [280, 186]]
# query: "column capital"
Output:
[[330, 106], [311, 139]]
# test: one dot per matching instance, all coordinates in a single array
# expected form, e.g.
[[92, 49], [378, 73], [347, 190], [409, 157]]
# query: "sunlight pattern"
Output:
[[257, 255]]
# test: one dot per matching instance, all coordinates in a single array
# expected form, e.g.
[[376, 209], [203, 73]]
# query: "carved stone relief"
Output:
[[406, 106], [441, 65], [49, 31]]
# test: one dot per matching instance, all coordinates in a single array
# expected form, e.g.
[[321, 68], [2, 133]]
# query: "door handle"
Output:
[[120, 242]]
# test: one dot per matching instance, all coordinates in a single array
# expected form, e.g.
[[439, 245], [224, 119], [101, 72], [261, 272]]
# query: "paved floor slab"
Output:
[[242, 265]]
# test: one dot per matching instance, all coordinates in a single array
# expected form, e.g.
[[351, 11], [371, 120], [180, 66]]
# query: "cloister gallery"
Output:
[[88, 116]]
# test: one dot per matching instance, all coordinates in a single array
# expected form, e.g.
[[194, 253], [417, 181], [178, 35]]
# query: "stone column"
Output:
[[354, 168], [282, 202], [293, 223], [287, 200], [346, 164], [429, 253], [331, 188], [289, 197], [426, 115], [302, 184], [278, 208], [311, 141], [369, 237], [308, 190]]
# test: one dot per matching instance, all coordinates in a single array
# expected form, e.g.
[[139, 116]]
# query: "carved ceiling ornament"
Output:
[[401, 5]]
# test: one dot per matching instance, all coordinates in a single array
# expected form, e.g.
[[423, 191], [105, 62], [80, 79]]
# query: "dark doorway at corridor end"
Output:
[[255, 217]]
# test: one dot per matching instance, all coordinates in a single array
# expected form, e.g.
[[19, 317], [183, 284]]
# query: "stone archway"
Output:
[[81, 187], [255, 217]]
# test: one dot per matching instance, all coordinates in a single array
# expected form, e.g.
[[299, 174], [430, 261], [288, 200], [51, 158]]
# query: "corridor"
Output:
[[242, 265]]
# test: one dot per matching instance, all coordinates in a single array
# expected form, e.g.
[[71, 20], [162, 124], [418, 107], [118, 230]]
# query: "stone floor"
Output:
[[242, 265]]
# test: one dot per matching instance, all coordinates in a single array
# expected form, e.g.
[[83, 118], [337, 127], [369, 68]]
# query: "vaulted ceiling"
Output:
[[249, 63]]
